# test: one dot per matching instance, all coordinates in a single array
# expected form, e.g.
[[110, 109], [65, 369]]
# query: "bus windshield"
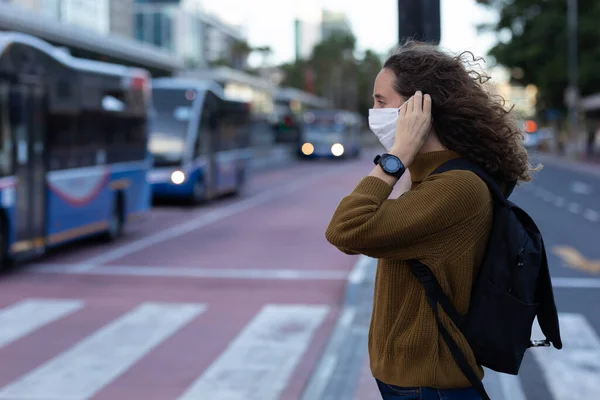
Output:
[[173, 109], [324, 123], [324, 127], [167, 139]]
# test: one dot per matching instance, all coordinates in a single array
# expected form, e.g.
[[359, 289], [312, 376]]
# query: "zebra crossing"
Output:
[[257, 364], [260, 361]]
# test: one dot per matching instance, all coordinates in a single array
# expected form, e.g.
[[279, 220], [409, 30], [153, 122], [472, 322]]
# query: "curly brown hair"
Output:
[[466, 118]]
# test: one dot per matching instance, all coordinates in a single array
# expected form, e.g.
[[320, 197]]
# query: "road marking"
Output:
[[572, 373], [574, 259], [548, 197], [559, 201], [260, 361], [205, 219], [503, 386], [591, 215], [576, 283], [26, 316], [326, 367], [512, 389], [575, 208], [581, 188], [191, 272], [359, 272], [87, 367]]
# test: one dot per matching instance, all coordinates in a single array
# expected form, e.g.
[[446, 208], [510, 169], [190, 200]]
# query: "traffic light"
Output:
[[419, 20]]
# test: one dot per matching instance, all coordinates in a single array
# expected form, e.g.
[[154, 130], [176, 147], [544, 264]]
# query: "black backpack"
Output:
[[512, 287]]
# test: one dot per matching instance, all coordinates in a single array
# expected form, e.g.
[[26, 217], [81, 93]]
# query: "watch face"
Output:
[[391, 164]]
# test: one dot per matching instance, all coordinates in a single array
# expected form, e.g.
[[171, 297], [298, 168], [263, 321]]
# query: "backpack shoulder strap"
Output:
[[435, 295], [464, 164]]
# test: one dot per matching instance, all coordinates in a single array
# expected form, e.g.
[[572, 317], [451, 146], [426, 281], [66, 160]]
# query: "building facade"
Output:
[[199, 38], [307, 35], [102, 16], [90, 14], [121, 17]]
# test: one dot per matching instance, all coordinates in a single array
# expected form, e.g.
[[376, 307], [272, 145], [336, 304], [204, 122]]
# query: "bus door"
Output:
[[221, 165], [27, 110]]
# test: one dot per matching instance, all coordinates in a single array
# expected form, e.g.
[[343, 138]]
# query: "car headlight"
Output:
[[337, 149], [177, 177]]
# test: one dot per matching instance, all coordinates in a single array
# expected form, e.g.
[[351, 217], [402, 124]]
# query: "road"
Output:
[[244, 299]]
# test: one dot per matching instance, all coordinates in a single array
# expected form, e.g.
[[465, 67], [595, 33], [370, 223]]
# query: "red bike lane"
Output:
[[239, 299]]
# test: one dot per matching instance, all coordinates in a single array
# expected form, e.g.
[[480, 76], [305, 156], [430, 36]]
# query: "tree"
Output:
[[368, 68], [265, 52], [240, 50], [535, 45], [334, 72]]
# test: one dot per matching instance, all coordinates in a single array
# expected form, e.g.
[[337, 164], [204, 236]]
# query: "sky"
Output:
[[374, 23]]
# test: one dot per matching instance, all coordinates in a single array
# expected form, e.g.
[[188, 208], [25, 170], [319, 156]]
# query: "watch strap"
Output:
[[398, 173]]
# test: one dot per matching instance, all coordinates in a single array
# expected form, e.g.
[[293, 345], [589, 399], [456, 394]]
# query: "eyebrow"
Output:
[[378, 96]]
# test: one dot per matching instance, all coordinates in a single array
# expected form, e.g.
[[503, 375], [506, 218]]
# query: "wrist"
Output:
[[405, 156]]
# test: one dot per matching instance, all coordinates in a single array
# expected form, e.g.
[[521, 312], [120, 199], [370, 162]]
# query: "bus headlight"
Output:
[[177, 177], [337, 149], [308, 149]]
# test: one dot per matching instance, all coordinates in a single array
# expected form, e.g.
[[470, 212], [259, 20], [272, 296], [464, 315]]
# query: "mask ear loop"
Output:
[[400, 108]]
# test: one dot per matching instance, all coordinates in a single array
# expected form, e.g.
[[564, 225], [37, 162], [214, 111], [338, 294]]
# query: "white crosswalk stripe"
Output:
[[258, 364], [29, 315], [88, 366], [572, 373]]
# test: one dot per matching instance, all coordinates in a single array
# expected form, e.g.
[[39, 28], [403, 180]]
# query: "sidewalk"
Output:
[[583, 166]]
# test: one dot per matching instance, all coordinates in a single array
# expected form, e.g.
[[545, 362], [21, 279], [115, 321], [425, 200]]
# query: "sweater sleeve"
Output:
[[369, 223]]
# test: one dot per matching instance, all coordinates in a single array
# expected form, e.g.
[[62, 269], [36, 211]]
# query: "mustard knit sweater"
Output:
[[444, 221]]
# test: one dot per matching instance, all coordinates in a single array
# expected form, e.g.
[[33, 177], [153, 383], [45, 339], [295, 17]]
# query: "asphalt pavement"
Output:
[[564, 201], [243, 298]]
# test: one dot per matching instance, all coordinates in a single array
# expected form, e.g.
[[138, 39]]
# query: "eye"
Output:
[[381, 103]]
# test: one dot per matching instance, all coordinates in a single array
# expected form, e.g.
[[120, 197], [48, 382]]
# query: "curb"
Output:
[[338, 370], [585, 167], [273, 156]]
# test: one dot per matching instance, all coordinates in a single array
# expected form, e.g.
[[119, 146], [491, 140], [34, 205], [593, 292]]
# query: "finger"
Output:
[[403, 108], [427, 105], [418, 103], [411, 104]]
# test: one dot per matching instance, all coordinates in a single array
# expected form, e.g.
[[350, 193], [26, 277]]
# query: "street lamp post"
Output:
[[573, 70]]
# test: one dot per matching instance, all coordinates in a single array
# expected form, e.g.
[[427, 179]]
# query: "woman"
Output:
[[443, 220]]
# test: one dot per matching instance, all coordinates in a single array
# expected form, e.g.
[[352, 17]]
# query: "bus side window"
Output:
[[5, 141], [61, 137], [203, 137], [217, 122]]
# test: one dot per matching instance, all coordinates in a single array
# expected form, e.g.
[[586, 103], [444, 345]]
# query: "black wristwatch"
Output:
[[390, 164]]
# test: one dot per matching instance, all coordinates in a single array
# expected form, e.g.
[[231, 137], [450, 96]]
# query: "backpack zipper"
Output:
[[520, 262]]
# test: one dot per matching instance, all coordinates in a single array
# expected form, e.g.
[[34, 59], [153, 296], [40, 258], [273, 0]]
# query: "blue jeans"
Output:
[[391, 392]]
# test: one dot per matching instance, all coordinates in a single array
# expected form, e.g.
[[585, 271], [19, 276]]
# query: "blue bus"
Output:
[[73, 147], [200, 141], [330, 134]]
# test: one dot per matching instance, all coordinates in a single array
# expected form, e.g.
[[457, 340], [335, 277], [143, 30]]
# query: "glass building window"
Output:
[[139, 27]]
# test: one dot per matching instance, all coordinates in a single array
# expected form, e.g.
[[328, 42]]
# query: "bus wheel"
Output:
[[5, 261], [115, 224], [199, 194], [240, 182]]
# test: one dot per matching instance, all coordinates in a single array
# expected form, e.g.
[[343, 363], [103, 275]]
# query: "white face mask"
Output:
[[382, 121]]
